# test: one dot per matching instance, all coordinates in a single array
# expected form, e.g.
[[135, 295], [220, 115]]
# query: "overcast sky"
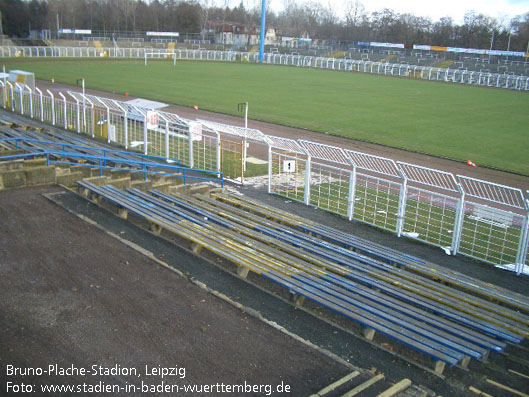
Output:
[[435, 9]]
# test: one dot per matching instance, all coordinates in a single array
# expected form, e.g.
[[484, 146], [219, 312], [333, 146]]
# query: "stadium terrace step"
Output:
[[388, 255], [303, 274], [373, 272], [96, 159], [201, 207]]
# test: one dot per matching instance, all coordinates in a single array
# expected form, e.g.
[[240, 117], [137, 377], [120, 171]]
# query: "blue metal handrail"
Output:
[[70, 145], [142, 165]]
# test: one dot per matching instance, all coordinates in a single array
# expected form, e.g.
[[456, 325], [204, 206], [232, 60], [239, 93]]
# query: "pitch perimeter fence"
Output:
[[457, 75], [461, 215]]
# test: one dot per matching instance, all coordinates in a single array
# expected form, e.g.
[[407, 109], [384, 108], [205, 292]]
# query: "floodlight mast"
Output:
[[263, 24]]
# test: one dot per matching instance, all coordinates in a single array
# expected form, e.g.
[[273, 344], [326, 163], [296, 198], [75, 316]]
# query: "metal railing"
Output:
[[461, 215], [458, 76], [102, 162]]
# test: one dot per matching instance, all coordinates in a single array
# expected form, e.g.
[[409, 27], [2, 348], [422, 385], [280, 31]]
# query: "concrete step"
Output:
[[38, 162], [163, 187], [40, 175], [142, 185], [98, 180], [69, 179], [87, 172], [9, 152], [121, 183], [11, 165]]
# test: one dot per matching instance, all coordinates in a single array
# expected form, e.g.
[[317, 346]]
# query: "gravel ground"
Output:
[[72, 295]]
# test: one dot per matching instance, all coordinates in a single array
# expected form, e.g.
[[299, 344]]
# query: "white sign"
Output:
[[152, 120], [389, 45], [289, 166], [76, 31], [165, 34], [112, 132], [195, 129]]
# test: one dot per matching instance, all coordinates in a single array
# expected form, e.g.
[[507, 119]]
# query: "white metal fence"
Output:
[[475, 218], [459, 75]]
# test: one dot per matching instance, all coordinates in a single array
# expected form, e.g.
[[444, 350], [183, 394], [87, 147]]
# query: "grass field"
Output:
[[488, 126]]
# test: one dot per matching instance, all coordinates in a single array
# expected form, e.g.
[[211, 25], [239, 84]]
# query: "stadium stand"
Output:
[[440, 321], [72, 151]]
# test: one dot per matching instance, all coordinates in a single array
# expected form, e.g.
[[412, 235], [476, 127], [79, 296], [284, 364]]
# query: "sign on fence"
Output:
[[195, 129], [152, 120], [289, 166]]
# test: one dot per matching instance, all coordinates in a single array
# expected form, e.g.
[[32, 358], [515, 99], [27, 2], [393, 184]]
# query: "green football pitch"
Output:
[[488, 126]]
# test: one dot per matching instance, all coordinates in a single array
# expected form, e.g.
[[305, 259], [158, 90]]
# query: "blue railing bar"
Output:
[[134, 162], [18, 156], [144, 166], [63, 145], [132, 170]]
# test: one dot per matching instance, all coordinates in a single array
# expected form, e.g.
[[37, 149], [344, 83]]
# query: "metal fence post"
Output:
[[78, 115], [352, 192], [30, 101], [108, 124], [52, 107], [522, 248], [458, 223], [402, 204], [306, 197], [21, 89], [218, 152], [126, 129], [145, 134], [65, 118], [521, 255], [191, 162], [166, 139], [270, 167], [41, 104]]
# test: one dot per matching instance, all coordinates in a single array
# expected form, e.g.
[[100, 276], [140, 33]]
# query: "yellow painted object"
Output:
[[338, 54], [414, 74], [170, 49], [255, 48], [445, 64], [100, 130]]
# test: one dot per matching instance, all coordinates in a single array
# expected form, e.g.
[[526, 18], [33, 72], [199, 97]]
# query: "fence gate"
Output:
[[377, 190], [376, 201], [433, 199], [205, 148], [430, 217], [287, 175], [490, 234], [330, 188], [493, 234]]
